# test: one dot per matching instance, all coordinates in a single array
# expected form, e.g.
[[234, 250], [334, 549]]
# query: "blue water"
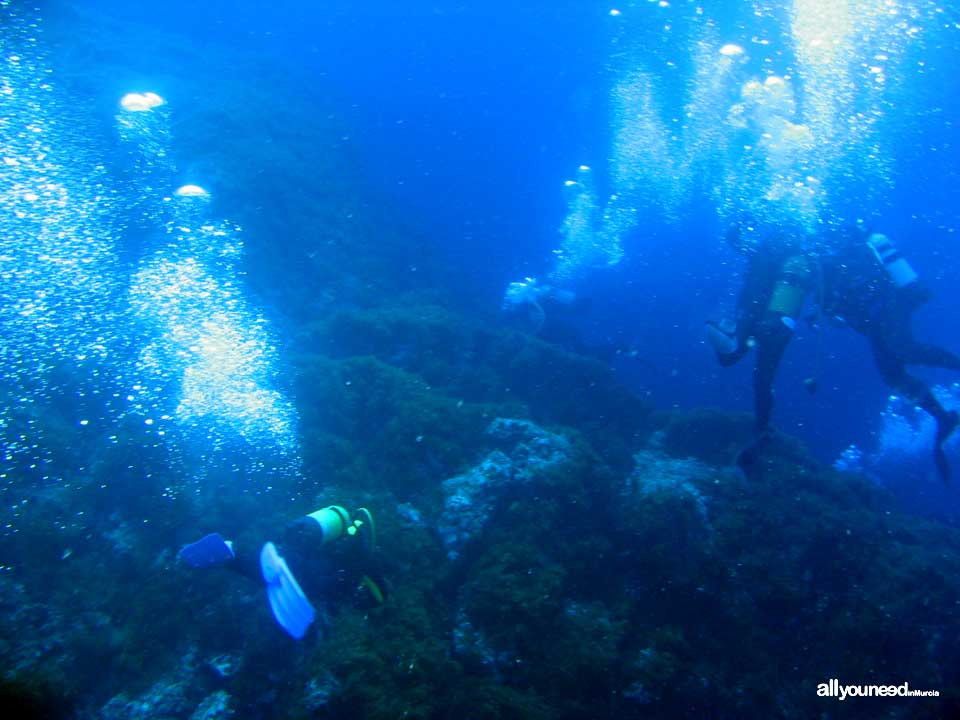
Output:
[[483, 109], [357, 153]]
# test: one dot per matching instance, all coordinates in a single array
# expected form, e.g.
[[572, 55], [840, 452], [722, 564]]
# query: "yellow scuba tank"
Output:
[[333, 520], [791, 287]]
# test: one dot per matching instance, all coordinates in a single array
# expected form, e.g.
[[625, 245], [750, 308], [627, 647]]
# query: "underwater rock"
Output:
[[524, 453], [637, 693], [165, 699], [532, 450], [481, 364], [656, 473], [471, 647], [172, 696], [215, 706], [409, 515], [225, 665], [663, 515], [470, 498], [709, 435], [319, 691]]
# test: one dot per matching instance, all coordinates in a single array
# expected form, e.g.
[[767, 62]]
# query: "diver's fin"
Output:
[[943, 466], [749, 454], [291, 608], [945, 428], [207, 552]]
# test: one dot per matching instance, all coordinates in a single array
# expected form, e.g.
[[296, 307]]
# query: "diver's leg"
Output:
[[931, 356], [890, 362], [731, 341], [896, 337], [772, 339]]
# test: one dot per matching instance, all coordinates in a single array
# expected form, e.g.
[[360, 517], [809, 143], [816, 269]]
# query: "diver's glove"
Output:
[[723, 337]]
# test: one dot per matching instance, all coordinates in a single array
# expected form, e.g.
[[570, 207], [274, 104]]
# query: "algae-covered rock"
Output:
[[216, 706], [373, 424], [486, 364], [528, 453]]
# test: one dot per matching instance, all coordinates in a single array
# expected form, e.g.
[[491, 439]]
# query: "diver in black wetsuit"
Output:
[[779, 274], [871, 287]]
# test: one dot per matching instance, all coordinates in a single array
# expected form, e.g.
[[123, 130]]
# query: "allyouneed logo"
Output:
[[833, 688]]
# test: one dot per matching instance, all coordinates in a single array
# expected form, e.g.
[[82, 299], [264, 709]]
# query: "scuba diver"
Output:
[[558, 317], [779, 274], [534, 307], [871, 288], [328, 570]]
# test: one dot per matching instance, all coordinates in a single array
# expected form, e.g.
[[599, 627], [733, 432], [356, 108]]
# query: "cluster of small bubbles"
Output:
[[206, 369], [642, 172], [852, 59], [746, 142], [593, 231], [904, 439], [643, 166], [187, 208], [171, 363], [774, 181], [589, 238], [904, 429], [850, 460], [143, 120], [705, 137], [204, 334], [58, 281], [823, 36]]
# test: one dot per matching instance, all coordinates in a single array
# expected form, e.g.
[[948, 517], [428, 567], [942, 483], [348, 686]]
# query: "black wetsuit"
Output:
[[857, 289], [760, 321]]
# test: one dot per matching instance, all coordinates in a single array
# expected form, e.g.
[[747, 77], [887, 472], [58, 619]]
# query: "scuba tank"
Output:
[[898, 269], [334, 521], [791, 287]]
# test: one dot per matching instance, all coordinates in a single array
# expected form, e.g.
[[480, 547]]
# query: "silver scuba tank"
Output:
[[897, 267]]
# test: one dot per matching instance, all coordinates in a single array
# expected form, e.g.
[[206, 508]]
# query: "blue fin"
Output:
[[290, 606], [207, 552]]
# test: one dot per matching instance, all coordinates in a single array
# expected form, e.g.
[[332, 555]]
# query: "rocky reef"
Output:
[[534, 568], [551, 545]]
